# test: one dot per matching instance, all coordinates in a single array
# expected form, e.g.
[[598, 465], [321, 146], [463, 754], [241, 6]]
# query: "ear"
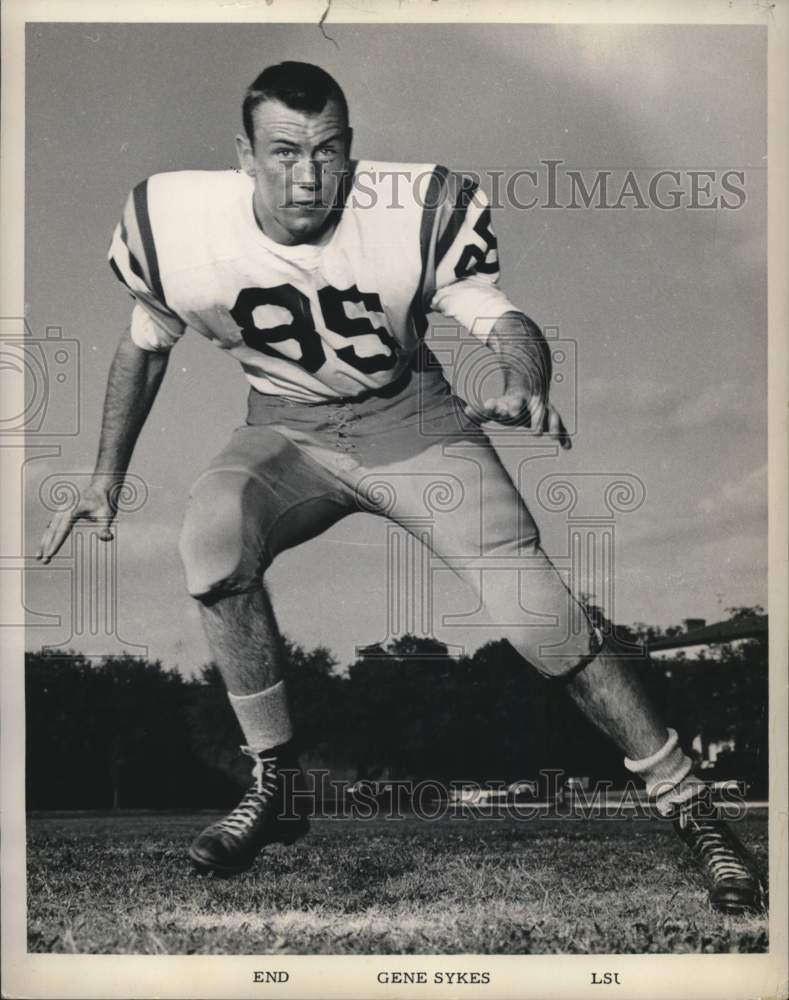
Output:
[[246, 156]]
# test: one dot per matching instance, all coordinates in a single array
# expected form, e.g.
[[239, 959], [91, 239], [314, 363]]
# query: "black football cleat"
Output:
[[732, 875], [265, 815]]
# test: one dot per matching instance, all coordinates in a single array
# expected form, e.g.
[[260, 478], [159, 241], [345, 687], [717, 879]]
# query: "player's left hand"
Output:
[[517, 408]]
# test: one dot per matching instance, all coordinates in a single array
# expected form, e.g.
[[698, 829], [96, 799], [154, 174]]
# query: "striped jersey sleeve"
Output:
[[134, 261], [465, 260]]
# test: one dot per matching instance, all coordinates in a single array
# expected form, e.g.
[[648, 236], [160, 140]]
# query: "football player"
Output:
[[317, 272]]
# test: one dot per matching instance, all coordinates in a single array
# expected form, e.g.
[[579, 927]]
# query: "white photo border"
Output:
[[650, 976]]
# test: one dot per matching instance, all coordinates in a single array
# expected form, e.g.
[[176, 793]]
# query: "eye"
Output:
[[325, 153], [284, 154]]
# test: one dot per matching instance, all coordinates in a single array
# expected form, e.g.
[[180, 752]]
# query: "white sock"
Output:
[[264, 717], [667, 774]]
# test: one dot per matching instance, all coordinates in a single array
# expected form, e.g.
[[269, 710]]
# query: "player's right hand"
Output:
[[94, 504], [517, 407]]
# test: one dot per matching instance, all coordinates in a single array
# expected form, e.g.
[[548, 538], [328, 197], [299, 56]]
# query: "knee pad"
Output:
[[559, 652], [539, 614], [575, 662], [221, 546]]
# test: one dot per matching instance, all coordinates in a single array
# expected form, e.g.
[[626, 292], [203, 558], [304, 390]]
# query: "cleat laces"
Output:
[[717, 853], [247, 812]]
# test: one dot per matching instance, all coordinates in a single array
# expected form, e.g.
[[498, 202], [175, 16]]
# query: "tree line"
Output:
[[124, 732]]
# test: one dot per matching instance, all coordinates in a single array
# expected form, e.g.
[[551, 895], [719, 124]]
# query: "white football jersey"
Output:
[[314, 321]]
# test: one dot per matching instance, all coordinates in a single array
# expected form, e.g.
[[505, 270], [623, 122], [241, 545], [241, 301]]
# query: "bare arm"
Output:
[[525, 359], [133, 382]]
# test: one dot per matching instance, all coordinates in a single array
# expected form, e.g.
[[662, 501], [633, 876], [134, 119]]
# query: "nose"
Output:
[[307, 173]]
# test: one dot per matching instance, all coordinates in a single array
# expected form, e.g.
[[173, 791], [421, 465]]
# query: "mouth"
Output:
[[308, 200]]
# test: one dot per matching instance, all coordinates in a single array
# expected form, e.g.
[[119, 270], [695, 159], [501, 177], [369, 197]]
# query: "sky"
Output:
[[665, 310]]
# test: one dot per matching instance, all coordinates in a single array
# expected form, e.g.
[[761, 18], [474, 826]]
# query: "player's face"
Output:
[[297, 162]]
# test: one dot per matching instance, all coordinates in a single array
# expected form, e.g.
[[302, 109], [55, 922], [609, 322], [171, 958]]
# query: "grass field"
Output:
[[121, 884]]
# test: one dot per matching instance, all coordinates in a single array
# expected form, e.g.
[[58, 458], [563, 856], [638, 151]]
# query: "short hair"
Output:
[[298, 85]]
